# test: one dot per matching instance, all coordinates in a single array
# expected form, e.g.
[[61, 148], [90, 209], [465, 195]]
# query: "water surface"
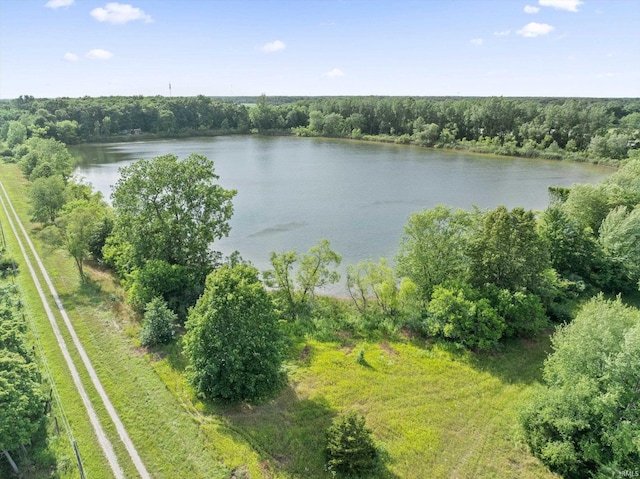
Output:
[[293, 191]]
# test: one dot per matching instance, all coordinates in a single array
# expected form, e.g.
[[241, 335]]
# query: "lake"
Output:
[[293, 191]]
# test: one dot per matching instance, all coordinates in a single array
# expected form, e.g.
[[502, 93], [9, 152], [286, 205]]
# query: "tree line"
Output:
[[601, 130], [23, 403]]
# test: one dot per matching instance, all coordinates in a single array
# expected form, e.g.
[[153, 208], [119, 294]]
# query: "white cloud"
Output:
[[274, 46], [71, 57], [535, 29], [477, 42], [569, 5], [335, 73], [119, 13], [99, 54], [530, 9], [503, 33], [58, 3]]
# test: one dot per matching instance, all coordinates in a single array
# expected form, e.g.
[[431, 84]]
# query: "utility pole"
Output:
[[169, 90]]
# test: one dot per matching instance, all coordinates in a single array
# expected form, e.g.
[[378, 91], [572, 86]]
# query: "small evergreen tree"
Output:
[[350, 448], [159, 323]]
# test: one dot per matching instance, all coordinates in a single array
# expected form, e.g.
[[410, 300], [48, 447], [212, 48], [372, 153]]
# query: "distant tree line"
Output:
[[554, 128]]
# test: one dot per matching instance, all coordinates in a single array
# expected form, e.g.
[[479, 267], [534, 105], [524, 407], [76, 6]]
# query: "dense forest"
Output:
[[472, 280], [598, 130]]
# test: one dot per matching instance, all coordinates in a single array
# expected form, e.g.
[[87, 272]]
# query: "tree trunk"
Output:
[[13, 464]]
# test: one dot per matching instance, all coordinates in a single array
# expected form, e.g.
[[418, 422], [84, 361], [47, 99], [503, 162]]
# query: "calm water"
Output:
[[294, 191]]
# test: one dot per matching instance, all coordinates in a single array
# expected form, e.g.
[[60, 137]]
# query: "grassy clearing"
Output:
[[436, 412]]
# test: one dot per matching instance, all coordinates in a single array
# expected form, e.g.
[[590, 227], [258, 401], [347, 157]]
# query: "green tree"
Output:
[[47, 198], [586, 422], [45, 157], [619, 236], [587, 205], [281, 278], [174, 283], [333, 125], [77, 226], [426, 135], [627, 179], [21, 401], [171, 210], [67, 131], [574, 250], [508, 251], [523, 313], [315, 270], [316, 121], [265, 117], [16, 134], [233, 342], [159, 323], [433, 248], [373, 287], [350, 448]]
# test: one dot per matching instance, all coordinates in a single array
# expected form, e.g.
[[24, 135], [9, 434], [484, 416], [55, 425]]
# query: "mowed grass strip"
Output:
[[94, 461]]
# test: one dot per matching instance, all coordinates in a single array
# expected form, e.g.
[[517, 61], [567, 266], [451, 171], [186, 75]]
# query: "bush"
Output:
[[459, 313], [7, 266], [350, 448], [171, 282], [159, 323]]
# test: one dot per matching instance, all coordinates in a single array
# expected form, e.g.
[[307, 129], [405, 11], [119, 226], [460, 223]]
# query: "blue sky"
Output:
[[53, 48]]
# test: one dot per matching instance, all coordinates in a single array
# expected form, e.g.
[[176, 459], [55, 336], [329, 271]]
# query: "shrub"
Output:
[[458, 313], [159, 324], [7, 266], [350, 448]]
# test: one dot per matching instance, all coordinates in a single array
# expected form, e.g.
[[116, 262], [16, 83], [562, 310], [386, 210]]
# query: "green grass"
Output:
[[436, 411], [452, 414]]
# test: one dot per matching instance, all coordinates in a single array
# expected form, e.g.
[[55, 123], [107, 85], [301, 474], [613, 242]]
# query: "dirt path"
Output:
[[104, 441]]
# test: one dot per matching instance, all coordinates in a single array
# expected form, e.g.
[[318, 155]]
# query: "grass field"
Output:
[[435, 412]]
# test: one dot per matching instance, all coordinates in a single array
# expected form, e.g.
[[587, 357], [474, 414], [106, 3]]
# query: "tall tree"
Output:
[[46, 157], [620, 238], [16, 134], [171, 210], [315, 270], [47, 198], [233, 342], [433, 248], [508, 251], [77, 225]]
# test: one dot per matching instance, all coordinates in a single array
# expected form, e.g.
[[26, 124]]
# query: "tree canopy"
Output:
[[171, 210], [586, 422]]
